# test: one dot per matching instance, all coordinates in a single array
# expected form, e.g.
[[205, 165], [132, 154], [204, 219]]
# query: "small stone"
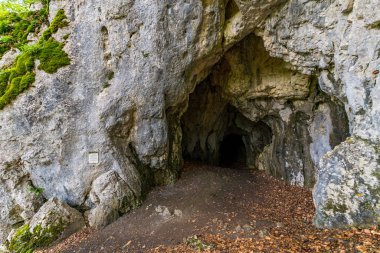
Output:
[[247, 228], [279, 225], [166, 213], [159, 209], [178, 213], [263, 233]]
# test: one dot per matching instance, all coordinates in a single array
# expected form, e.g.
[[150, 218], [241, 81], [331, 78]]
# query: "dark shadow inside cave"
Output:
[[232, 152], [231, 9], [215, 132]]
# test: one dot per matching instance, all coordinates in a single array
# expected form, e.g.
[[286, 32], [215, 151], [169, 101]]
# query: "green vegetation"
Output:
[[15, 80], [52, 57], [375, 25], [197, 244], [14, 30], [59, 21], [16, 26], [25, 241], [36, 190], [335, 207], [19, 5]]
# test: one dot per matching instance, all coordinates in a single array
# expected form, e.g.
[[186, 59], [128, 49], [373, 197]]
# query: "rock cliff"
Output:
[[151, 82]]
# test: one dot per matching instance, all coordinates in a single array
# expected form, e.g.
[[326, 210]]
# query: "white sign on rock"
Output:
[[93, 158]]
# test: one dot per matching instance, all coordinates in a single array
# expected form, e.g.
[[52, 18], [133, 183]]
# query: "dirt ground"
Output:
[[222, 210]]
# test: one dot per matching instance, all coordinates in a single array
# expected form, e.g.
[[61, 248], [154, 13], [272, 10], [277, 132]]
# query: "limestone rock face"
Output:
[[339, 40], [348, 187], [124, 99], [18, 202]]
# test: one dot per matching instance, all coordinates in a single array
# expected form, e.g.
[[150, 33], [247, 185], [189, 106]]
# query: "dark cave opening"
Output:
[[215, 132], [232, 152], [231, 9]]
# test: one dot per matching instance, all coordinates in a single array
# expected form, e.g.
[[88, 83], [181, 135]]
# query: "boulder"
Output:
[[110, 197], [348, 188], [54, 220]]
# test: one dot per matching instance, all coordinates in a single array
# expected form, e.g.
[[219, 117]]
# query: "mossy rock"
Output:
[[15, 28], [335, 207], [26, 241], [52, 57], [54, 220], [21, 75], [60, 21]]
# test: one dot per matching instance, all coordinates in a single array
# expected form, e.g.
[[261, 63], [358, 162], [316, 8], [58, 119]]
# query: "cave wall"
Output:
[[248, 87], [340, 41], [134, 64]]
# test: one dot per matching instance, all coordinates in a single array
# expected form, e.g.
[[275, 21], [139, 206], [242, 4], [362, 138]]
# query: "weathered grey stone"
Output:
[[53, 221], [8, 58], [18, 200], [110, 196], [166, 213], [58, 215], [347, 192]]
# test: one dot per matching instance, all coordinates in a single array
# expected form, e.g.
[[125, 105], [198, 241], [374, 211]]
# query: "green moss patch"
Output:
[[60, 21], [375, 25], [26, 241], [52, 57], [21, 75], [15, 28], [15, 80], [335, 207]]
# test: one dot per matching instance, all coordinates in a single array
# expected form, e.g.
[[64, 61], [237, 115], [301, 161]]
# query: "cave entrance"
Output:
[[215, 132], [232, 152], [257, 111]]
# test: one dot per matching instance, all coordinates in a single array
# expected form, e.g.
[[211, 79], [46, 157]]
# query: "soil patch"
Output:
[[222, 210]]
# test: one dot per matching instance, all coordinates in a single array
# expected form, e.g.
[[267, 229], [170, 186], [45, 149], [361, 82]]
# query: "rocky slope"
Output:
[[292, 78]]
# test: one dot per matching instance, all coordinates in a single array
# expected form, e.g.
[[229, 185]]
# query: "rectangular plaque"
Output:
[[93, 158]]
